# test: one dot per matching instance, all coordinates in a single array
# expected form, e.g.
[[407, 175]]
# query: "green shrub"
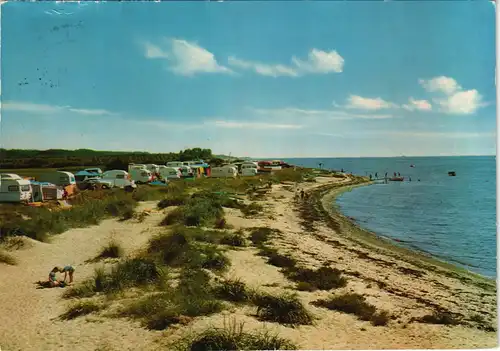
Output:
[[356, 304], [173, 199], [284, 309], [260, 236], [81, 308], [112, 250], [232, 290], [323, 278], [233, 240], [174, 217], [233, 338], [440, 317], [252, 209]]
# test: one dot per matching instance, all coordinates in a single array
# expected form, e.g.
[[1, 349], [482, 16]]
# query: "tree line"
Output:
[[59, 158]]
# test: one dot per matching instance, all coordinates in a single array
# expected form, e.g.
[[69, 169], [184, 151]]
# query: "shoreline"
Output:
[[353, 231]]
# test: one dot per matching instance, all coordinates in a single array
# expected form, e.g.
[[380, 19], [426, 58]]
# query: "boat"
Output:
[[452, 174], [412, 166], [397, 179]]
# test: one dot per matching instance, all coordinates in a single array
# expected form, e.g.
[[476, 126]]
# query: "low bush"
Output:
[[323, 278], [192, 297], [276, 259], [252, 209], [261, 235], [80, 308], [235, 239], [440, 317], [356, 304], [234, 338], [284, 309], [111, 250], [173, 199], [232, 290]]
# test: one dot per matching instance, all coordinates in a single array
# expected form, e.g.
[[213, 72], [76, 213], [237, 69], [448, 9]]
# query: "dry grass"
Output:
[[7, 258]]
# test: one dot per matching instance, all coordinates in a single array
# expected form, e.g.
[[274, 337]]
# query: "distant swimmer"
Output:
[[410, 179], [376, 175], [419, 180]]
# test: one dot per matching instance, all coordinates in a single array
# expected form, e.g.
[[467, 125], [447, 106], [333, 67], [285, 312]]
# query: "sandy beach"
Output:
[[405, 284]]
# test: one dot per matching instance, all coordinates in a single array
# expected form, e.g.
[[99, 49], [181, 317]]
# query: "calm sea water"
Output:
[[451, 218]]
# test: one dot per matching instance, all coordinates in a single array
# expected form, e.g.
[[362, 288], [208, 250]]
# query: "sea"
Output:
[[450, 218]]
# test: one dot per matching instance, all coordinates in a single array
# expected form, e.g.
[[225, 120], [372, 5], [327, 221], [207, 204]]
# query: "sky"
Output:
[[253, 79]]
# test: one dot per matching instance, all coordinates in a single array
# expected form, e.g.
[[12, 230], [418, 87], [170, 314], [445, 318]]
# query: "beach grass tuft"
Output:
[[323, 278], [233, 290], [252, 209], [81, 308], [284, 309], [191, 298], [232, 337], [112, 250], [234, 239], [356, 304], [440, 317]]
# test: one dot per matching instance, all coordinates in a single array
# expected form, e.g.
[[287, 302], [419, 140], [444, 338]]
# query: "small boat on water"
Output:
[[412, 166], [452, 174], [397, 179]]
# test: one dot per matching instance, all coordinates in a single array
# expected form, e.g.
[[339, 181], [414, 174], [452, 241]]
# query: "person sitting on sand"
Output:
[[53, 281]]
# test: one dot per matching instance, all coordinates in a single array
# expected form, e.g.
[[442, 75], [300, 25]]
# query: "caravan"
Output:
[[249, 172], [224, 172], [116, 178], [175, 164], [14, 189], [153, 168], [141, 175], [60, 178], [170, 173]]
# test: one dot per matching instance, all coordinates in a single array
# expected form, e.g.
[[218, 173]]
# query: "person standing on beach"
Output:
[[302, 194], [68, 271]]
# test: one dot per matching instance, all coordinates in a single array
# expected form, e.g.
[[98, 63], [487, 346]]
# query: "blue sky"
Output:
[[262, 79]]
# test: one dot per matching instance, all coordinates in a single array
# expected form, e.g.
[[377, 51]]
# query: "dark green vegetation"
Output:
[[284, 309], [112, 250], [233, 337], [84, 158], [81, 308], [440, 317], [355, 304], [88, 209]]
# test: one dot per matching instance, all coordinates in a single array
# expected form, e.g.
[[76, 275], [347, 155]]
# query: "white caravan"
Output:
[[175, 164], [58, 178], [249, 172], [14, 189], [170, 173], [116, 178], [224, 172], [152, 168], [136, 166], [141, 175]]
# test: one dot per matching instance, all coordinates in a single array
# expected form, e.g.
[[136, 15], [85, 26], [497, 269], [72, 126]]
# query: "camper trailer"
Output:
[[249, 172], [224, 172], [186, 171], [140, 175], [170, 173], [58, 178], [175, 164], [117, 178], [152, 168], [249, 165], [14, 189], [136, 166]]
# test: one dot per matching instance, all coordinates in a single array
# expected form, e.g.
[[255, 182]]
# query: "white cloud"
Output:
[[440, 84], [456, 100], [186, 58], [254, 125], [153, 51], [326, 114], [420, 105], [263, 69], [317, 62], [461, 103], [41, 108], [362, 103]]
